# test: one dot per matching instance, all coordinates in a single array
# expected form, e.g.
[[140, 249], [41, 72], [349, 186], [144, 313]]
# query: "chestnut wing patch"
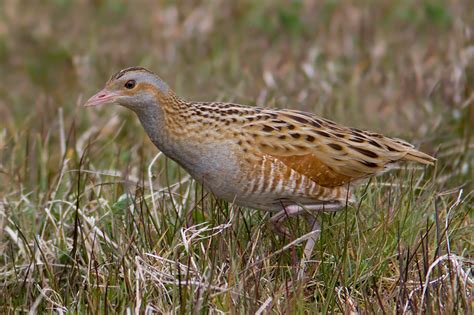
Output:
[[310, 166], [328, 153]]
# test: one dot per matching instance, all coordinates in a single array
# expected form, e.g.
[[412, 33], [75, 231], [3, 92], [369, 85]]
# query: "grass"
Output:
[[94, 219]]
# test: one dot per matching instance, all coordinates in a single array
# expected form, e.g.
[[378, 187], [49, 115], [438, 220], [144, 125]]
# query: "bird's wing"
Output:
[[328, 153]]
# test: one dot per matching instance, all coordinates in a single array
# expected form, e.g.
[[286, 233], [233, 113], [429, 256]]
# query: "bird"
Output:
[[285, 161]]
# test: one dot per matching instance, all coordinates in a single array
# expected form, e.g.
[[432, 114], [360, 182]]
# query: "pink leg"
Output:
[[277, 219], [294, 210], [316, 231]]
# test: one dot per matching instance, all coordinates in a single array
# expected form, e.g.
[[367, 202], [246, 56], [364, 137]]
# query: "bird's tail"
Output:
[[418, 156]]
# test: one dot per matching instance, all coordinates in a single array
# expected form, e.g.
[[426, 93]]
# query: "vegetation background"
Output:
[[93, 219]]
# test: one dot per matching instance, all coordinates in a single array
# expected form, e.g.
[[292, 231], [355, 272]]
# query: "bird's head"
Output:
[[135, 88]]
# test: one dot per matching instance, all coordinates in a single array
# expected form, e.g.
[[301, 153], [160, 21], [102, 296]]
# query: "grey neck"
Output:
[[153, 122]]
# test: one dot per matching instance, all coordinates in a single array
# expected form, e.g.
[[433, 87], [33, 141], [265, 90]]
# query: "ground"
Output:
[[81, 230]]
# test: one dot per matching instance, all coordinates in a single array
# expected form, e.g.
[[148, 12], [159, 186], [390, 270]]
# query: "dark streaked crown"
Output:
[[122, 72]]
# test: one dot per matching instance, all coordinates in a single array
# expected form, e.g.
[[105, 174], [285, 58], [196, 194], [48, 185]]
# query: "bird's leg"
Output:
[[277, 219], [316, 228], [316, 231], [310, 242], [294, 210]]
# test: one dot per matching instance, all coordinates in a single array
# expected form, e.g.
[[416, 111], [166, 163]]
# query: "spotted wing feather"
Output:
[[328, 153]]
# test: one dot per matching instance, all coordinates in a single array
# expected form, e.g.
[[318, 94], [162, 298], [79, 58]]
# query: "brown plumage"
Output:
[[272, 159]]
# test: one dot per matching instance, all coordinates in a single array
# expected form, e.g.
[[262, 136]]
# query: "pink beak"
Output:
[[101, 97]]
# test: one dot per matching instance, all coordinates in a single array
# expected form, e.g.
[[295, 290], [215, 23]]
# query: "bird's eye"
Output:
[[130, 84]]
